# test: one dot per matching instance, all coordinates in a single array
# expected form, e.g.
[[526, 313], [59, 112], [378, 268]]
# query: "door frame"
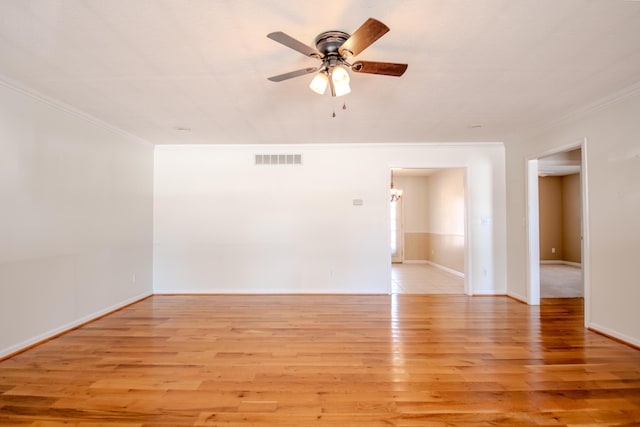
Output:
[[399, 257], [533, 225]]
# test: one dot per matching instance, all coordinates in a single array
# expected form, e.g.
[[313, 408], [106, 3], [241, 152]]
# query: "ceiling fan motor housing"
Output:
[[329, 42]]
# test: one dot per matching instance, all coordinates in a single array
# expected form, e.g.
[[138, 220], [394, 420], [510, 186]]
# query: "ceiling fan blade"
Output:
[[363, 37], [292, 74], [384, 68], [294, 44]]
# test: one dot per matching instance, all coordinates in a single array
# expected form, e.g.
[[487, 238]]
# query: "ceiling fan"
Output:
[[334, 49]]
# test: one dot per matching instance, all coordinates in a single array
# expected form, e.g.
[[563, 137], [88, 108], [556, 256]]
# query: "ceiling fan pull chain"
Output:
[[344, 107]]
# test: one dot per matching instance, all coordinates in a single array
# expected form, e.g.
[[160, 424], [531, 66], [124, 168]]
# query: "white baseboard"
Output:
[[614, 334], [518, 297], [69, 326], [433, 264], [491, 292], [267, 292], [447, 269], [561, 262], [197, 292]]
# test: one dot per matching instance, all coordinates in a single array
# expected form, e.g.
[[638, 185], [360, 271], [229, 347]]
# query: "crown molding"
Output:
[[602, 103], [65, 108], [585, 110], [327, 146]]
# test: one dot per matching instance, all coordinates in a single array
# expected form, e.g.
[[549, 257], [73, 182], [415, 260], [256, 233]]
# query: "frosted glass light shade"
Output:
[[319, 83], [340, 79], [342, 88], [339, 75]]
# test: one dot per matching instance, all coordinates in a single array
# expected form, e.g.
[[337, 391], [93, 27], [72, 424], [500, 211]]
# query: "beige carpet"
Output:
[[560, 281]]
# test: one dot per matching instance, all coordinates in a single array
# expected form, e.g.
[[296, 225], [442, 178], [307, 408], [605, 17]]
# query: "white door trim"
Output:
[[533, 233], [533, 227]]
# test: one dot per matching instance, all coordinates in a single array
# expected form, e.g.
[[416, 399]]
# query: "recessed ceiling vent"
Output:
[[278, 159]]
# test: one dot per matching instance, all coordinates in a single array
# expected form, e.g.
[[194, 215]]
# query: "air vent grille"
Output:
[[278, 159]]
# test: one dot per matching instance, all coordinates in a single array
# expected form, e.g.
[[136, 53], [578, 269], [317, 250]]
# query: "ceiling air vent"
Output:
[[278, 159]]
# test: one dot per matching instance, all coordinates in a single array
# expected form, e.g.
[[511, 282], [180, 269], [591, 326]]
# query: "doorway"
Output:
[[556, 216], [559, 218], [428, 223]]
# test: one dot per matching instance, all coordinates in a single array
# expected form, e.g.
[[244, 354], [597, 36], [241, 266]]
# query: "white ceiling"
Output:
[[152, 66]]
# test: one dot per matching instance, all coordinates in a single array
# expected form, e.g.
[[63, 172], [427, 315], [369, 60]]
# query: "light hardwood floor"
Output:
[[362, 361]]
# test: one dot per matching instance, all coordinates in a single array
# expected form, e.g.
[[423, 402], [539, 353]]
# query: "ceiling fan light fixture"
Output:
[[333, 48], [319, 83], [339, 75], [340, 79], [342, 88]]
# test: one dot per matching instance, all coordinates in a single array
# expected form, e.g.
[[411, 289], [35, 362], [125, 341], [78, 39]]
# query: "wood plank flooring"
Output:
[[362, 361]]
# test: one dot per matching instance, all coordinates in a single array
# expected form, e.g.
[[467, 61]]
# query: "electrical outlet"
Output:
[[553, 250]]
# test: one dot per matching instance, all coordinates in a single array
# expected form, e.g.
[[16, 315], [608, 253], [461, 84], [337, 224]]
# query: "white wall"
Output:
[[612, 133], [75, 219], [222, 224]]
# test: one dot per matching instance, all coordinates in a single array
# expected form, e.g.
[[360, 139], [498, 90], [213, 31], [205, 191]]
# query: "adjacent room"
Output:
[[350, 213], [560, 216], [428, 221]]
